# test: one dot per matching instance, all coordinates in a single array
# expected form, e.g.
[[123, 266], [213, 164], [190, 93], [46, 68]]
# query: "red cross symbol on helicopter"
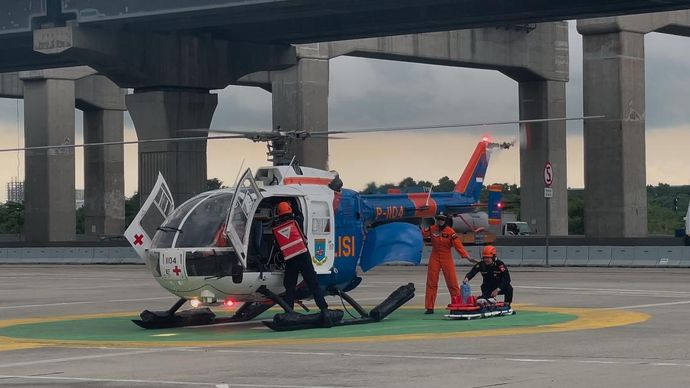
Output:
[[138, 239]]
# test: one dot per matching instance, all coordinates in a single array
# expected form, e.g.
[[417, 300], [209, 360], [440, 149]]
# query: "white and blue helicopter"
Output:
[[218, 247]]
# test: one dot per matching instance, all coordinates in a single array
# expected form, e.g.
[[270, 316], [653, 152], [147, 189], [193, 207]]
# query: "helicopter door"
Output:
[[244, 203], [321, 236], [153, 213]]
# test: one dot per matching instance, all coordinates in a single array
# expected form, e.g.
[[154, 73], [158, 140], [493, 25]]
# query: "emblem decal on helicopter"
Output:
[[285, 232], [320, 251]]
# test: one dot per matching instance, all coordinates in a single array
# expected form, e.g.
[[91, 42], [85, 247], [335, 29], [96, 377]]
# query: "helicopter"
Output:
[[218, 247]]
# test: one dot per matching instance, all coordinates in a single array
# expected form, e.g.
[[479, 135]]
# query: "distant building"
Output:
[[79, 197], [15, 190], [15, 193]]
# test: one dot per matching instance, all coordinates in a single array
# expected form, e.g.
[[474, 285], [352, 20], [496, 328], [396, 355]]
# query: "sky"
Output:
[[368, 93]]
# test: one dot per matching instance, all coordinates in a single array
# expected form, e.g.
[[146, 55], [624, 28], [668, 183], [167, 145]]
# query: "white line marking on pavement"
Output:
[[641, 362], [67, 359], [635, 291], [639, 306], [83, 302], [157, 382]]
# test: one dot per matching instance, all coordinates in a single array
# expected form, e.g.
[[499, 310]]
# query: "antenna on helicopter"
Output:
[[237, 178]]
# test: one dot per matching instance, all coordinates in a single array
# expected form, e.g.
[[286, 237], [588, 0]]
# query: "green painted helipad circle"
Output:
[[407, 322]]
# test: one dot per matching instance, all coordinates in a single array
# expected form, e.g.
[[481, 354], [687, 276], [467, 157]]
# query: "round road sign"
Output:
[[548, 174]]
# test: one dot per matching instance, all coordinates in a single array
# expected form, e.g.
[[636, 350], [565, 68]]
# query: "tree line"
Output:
[[666, 204]]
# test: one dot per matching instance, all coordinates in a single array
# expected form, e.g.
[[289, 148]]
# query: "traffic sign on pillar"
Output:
[[548, 174]]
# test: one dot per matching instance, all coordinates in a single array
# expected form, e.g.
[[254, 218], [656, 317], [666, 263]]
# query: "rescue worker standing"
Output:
[[443, 238], [496, 276], [293, 246]]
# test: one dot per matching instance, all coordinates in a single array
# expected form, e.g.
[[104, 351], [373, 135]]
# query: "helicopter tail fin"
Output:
[[472, 179]]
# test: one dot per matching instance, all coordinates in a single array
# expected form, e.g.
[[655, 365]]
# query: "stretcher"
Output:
[[475, 308]]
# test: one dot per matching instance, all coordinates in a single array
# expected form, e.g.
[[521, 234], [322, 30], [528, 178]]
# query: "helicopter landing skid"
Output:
[[170, 318], [197, 317], [296, 321]]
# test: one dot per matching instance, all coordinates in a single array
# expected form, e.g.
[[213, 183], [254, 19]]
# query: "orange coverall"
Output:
[[441, 259]]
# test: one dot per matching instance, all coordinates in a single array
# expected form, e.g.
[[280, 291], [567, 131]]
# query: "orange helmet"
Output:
[[284, 208], [489, 251]]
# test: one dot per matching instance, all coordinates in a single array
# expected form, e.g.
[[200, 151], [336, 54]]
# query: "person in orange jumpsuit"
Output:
[[443, 238]]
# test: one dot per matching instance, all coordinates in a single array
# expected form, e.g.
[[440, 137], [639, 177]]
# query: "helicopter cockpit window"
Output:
[[205, 222], [320, 223], [166, 233]]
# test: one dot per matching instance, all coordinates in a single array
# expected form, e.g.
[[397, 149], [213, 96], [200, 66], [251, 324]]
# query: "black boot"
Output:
[[429, 311], [326, 318]]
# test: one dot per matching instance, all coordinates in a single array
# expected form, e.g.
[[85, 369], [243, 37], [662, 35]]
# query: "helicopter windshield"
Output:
[[195, 223], [165, 233], [200, 229]]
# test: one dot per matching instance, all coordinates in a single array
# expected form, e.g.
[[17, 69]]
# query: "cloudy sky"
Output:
[[372, 93]]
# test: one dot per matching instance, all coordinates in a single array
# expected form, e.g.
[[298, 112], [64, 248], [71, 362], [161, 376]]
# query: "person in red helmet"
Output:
[[495, 275], [443, 238], [293, 247]]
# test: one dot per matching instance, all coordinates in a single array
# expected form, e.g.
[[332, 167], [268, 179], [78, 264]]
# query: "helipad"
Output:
[[405, 324]]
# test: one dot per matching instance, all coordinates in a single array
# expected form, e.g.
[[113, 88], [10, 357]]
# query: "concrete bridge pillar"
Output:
[[103, 104], [300, 102], [161, 114], [541, 143], [104, 183], [49, 184], [50, 99], [615, 175]]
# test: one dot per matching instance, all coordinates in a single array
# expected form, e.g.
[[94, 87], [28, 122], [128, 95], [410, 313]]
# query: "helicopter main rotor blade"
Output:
[[169, 140], [230, 132], [306, 134], [460, 125]]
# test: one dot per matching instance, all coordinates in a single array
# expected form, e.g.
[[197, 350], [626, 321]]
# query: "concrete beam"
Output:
[[163, 114], [300, 102], [98, 92], [11, 86], [673, 22], [91, 90], [523, 55], [150, 60]]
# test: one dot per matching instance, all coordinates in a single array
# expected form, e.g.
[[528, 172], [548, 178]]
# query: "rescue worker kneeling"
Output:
[[496, 276], [293, 246], [443, 238]]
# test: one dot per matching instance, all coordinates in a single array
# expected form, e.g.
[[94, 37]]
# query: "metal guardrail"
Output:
[[585, 256]]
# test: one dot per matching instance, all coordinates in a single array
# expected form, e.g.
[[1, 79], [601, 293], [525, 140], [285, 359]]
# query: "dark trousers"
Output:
[[301, 264], [487, 289]]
